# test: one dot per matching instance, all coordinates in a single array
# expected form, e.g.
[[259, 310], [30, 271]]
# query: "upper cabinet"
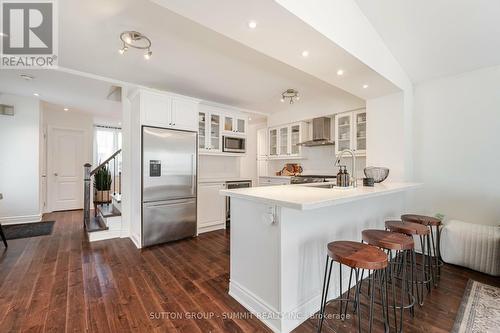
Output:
[[163, 110], [350, 132], [234, 124], [284, 140], [213, 124]]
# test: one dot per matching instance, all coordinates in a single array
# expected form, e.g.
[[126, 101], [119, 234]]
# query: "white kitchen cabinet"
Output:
[[284, 140], [209, 132], [163, 110], [234, 124], [271, 181], [350, 132], [262, 144], [211, 207], [184, 114]]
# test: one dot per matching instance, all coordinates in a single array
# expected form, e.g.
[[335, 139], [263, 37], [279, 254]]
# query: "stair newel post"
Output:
[[120, 183], [86, 194], [114, 176]]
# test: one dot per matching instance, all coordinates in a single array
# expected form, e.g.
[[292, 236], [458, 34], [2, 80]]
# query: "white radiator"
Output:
[[474, 246]]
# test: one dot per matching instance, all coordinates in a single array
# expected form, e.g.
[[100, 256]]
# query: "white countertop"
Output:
[[308, 197], [223, 179]]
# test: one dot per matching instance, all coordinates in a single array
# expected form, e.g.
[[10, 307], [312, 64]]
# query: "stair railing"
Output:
[[116, 181]]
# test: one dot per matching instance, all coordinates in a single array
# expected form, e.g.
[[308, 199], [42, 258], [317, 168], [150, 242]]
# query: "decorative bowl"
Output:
[[378, 174]]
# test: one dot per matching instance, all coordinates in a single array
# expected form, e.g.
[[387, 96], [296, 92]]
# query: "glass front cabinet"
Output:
[[350, 132], [284, 140], [235, 124], [209, 132]]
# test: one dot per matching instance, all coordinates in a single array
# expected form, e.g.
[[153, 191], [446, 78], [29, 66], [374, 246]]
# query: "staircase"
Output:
[[104, 221]]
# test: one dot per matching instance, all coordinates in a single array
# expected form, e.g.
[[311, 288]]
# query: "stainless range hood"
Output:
[[321, 133]]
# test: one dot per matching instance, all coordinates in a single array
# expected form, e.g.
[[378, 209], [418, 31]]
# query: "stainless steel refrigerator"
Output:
[[169, 170]]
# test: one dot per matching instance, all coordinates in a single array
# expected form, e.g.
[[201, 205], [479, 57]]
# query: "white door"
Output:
[[65, 168]]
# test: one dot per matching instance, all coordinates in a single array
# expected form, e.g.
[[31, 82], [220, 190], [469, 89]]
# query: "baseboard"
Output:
[[255, 305], [103, 235], [20, 219], [136, 241], [213, 227]]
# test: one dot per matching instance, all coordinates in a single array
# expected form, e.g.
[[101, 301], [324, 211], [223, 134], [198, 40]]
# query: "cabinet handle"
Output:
[[173, 124]]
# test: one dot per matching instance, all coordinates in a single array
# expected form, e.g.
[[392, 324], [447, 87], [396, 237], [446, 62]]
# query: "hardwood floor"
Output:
[[63, 283]]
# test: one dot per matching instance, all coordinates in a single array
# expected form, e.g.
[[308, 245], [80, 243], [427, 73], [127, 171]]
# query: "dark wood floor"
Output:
[[62, 283]]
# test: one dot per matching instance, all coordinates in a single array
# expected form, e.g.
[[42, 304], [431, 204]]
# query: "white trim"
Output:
[[211, 227], [255, 305], [20, 219], [136, 241], [103, 235]]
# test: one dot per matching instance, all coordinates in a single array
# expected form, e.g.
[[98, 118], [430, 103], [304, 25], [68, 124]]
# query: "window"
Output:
[[107, 140]]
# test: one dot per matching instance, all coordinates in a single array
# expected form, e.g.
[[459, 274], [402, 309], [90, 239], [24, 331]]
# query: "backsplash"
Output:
[[319, 160]]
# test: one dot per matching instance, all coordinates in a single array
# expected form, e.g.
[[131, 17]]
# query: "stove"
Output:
[[304, 179]]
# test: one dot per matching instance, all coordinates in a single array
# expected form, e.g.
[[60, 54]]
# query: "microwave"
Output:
[[233, 144]]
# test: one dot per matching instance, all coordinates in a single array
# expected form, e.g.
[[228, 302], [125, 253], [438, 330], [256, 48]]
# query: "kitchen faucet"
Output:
[[354, 182]]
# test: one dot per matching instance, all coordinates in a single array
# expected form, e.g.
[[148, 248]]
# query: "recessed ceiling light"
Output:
[[119, 123], [36, 94], [249, 118], [340, 72], [252, 24], [305, 53], [66, 109], [365, 86]]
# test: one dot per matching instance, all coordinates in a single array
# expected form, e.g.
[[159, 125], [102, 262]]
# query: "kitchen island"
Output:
[[278, 242]]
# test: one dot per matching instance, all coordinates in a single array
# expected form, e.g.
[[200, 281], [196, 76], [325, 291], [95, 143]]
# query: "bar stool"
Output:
[[404, 247], [422, 232], [432, 223], [356, 256]]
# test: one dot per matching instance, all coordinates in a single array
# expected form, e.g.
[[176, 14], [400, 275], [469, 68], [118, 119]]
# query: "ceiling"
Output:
[[192, 59], [435, 38], [63, 90]]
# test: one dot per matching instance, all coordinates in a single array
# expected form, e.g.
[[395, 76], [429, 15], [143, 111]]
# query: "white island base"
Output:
[[278, 253]]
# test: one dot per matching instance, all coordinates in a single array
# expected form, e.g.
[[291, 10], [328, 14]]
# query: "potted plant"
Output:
[[102, 185]]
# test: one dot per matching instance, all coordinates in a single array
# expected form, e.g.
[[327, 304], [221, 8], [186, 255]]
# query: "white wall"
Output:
[[19, 161], [386, 134], [457, 145], [248, 163]]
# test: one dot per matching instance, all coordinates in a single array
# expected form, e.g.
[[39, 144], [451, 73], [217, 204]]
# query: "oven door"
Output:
[[233, 144]]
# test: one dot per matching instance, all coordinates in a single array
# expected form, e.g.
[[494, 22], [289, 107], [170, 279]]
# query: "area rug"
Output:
[[14, 231], [480, 309]]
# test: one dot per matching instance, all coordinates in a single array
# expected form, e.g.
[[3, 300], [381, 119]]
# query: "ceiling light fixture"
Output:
[[291, 94], [136, 40], [305, 53], [340, 72], [27, 77], [36, 94], [66, 109], [252, 24], [365, 86]]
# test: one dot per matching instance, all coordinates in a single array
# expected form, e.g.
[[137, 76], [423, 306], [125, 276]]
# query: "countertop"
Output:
[[222, 179], [308, 197]]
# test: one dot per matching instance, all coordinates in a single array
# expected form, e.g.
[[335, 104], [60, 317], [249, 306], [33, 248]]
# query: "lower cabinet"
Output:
[[211, 207], [272, 181]]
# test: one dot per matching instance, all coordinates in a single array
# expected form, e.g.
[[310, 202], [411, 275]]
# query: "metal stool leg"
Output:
[[324, 294]]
